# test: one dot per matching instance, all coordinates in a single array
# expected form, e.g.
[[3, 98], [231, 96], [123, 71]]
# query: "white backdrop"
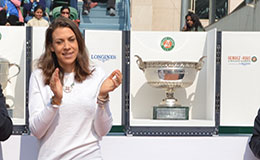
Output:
[[38, 40], [239, 93], [105, 49], [12, 48], [188, 47], [240, 77]]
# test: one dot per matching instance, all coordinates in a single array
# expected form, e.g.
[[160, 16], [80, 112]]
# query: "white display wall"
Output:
[[12, 48], [239, 73], [38, 40], [240, 77], [105, 50], [187, 46]]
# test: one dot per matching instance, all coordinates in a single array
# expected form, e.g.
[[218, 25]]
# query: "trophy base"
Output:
[[171, 113]]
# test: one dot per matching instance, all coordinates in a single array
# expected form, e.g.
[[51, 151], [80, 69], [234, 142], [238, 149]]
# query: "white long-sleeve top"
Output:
[[72, 130]]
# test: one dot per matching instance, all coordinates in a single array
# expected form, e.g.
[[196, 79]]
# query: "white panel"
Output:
[[38, 38], [240, 77], [12, 48], [144, 148], [211, 71], [187, 47], [105, 50]]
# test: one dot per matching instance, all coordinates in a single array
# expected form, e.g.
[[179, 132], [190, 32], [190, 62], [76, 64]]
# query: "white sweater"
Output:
[[38, 22], [73, 130]]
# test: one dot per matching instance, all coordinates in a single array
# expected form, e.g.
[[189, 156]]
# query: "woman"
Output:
[[29, 8], [68, 98], [192, 23], [37, 19], [65, 12]]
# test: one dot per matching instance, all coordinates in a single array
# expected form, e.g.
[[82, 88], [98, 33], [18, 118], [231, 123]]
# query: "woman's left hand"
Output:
[[111, 83]]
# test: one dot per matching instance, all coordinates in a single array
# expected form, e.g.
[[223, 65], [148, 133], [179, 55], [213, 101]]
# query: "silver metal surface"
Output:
[[4, 71], [170, 75]]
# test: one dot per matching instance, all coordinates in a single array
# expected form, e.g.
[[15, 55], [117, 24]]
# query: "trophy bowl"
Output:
[[170, 75]]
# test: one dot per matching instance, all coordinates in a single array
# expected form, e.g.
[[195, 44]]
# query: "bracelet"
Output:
[[54, 101], [102, 101]]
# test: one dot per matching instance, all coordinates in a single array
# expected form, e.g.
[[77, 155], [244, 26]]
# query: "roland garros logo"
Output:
[[0, 36], [253, 59], [167, 43]]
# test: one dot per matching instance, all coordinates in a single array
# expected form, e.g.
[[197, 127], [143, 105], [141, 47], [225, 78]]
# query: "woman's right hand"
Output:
[[55, 85], [184, 28]]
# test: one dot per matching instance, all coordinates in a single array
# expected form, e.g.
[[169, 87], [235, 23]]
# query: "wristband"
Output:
[[54, 101], [102, 101]]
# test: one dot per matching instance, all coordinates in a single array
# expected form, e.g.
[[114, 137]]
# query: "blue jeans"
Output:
[[48, 4], [74, 4]]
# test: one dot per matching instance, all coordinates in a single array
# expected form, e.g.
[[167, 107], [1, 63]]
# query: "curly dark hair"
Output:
[[196, 22], [48, 62], [65, 7]]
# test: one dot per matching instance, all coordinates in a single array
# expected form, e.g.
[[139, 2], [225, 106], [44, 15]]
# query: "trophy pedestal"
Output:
[[171, 113]]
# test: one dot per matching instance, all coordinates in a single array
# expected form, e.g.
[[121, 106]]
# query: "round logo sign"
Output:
[[254, 59], [0, 36], [167, 43]]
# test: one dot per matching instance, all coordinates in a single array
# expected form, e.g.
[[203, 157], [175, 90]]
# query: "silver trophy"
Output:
[[5, 65], [170, 75]]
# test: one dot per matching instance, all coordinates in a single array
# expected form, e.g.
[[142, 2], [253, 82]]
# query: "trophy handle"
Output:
[[200, 63], [8, 99], [140, 62], [19, 69]]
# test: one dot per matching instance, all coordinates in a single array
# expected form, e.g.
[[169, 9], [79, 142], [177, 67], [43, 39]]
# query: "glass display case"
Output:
[[165, 55], [14, 76]]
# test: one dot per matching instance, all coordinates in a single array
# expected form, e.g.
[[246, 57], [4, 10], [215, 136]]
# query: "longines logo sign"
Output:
[[102, 57], [242, 60]]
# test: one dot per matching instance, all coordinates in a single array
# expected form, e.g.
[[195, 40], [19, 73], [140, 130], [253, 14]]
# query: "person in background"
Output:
[[37, 19], [192, 23], [88, 4], [10, 12], [254, 143], [69, 98], [6, 124], [65, 12], [29, 6]]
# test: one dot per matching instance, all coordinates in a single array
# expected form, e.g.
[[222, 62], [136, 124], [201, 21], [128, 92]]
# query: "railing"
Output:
[[127, 15]]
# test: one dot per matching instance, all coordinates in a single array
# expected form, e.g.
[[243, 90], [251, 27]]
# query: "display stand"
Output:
[[14, 48], [200, 96]]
